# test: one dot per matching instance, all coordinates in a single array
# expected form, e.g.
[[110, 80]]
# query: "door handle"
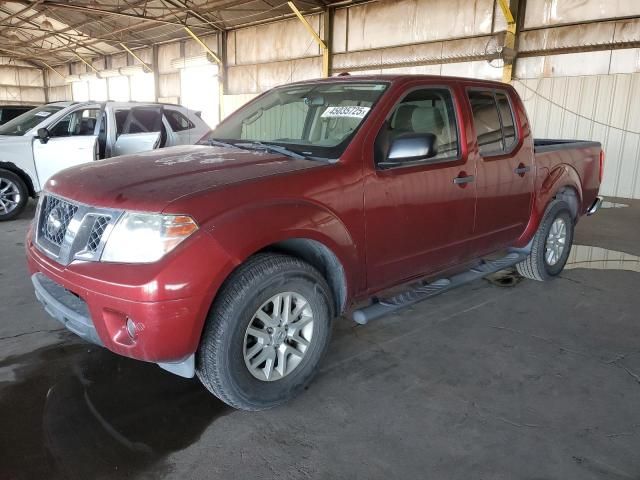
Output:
[[463, 180], [521, 170]]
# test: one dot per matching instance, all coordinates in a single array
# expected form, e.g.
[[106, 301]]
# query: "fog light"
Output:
[[131, 328]]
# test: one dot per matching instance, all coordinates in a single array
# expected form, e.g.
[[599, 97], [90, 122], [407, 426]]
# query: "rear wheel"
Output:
[[13, 195], [551, 244], [266, 333]]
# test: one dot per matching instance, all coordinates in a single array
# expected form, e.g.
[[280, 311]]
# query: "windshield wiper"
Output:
[[218, 143], [272, 147]]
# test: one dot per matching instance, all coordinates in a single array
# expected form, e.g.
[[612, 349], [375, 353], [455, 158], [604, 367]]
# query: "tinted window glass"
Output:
[[25, 122], [317, 119], [506, 114], [486, 121], [423, 111], [178, 121], [138, 120], [80, 122]]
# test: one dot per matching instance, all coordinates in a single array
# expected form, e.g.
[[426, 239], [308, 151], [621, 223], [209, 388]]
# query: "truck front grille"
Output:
[[100, 224], [67, 230], [55, 218]]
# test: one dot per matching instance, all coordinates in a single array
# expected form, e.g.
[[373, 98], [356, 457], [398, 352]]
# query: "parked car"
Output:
[[229, 259], [50, 138], [9, 112]]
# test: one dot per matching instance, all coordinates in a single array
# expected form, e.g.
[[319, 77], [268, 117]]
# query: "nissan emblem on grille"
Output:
[[55, 219], [54, 222]]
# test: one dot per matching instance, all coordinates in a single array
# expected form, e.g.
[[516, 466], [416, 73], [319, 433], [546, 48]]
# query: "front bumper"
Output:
[[73, 313], [167, 302]]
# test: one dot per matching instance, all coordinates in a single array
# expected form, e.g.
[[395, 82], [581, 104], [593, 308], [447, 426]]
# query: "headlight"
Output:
[[146, 238]]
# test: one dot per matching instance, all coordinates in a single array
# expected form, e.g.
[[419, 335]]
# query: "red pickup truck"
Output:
[[228, 260]]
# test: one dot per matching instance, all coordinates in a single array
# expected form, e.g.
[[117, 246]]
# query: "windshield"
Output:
[[314, 120], [25, 122]]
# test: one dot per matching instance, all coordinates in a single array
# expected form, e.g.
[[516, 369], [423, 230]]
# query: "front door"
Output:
[[419, 214], [73, 140]]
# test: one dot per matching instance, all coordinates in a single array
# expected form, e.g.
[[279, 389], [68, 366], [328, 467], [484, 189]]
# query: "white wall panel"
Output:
[[596, 107], [540, 13], [384, 24]]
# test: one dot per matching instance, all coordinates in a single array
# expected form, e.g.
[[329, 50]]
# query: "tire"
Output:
[[13, 195], [538, 266], [221, 361]]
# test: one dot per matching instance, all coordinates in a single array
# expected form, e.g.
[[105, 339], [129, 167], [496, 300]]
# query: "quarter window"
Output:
[[493, 121], [178, 121]]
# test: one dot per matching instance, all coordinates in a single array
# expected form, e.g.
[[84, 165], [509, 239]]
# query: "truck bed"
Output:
[[542, 145]]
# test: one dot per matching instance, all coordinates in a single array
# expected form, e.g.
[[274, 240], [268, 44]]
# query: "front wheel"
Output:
[[551, 244], [13, 195], [266, 333]]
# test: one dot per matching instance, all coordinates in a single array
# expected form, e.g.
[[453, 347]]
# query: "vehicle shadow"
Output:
[[78, 411]]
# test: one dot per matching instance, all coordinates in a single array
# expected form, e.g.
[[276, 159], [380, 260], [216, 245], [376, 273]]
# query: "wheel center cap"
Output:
[[279, 335]]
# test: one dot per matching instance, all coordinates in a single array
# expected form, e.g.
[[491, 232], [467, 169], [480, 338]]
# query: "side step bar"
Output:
[[427, 290]]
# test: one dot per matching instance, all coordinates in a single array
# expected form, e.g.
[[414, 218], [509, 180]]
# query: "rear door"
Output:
[[73, 140], [419, 215], [505, 176], [139, 129], [181, 126]]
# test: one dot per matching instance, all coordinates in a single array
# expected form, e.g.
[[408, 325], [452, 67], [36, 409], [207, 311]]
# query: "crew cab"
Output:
[[52, 137], [228, 260]]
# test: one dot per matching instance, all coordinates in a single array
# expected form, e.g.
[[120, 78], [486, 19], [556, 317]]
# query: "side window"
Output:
[[177, 121], [506, 114], [494, 122], [428, 110], [78, 123], [487, 122], [138, 120]]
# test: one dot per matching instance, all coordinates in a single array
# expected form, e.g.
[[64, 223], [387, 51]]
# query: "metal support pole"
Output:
[[323, 46], [509, 40], [144, 64]]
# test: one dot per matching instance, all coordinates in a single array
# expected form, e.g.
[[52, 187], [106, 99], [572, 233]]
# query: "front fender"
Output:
[[548, 183], [246, 230]]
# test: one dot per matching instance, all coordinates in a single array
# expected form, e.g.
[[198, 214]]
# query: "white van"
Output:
[[50, 138]]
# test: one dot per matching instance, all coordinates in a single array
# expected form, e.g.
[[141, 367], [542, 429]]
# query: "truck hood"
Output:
[[150, 181]]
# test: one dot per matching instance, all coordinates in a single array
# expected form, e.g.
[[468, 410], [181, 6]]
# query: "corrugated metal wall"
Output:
[[603, 108], [20, 82]]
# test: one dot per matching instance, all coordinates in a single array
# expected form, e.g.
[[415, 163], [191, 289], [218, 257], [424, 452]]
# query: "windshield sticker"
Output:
[[346, 112], [42, 114]]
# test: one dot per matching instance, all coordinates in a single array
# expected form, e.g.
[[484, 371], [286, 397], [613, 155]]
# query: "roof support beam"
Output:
[[323, 46], [203, 45], [132, 53]]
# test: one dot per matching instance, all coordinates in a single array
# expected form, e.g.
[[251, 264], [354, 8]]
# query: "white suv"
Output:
[[50, 138]]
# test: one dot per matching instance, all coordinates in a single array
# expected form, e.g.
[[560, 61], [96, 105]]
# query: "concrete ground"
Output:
[[501, 379]]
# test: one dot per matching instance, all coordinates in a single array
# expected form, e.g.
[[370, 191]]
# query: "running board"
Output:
[[421, 292]]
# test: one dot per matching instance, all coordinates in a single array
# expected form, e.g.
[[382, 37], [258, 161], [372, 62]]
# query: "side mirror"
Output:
[[43, 135], [411, 147]]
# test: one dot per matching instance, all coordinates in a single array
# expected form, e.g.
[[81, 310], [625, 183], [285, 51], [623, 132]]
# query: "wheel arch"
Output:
[[323, 259], [561, 183], [24, 176]]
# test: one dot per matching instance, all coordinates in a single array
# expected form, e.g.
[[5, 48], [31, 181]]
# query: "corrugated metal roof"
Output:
[[56, 31]]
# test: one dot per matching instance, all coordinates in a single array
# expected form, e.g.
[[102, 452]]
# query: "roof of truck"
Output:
[[397, 78]]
